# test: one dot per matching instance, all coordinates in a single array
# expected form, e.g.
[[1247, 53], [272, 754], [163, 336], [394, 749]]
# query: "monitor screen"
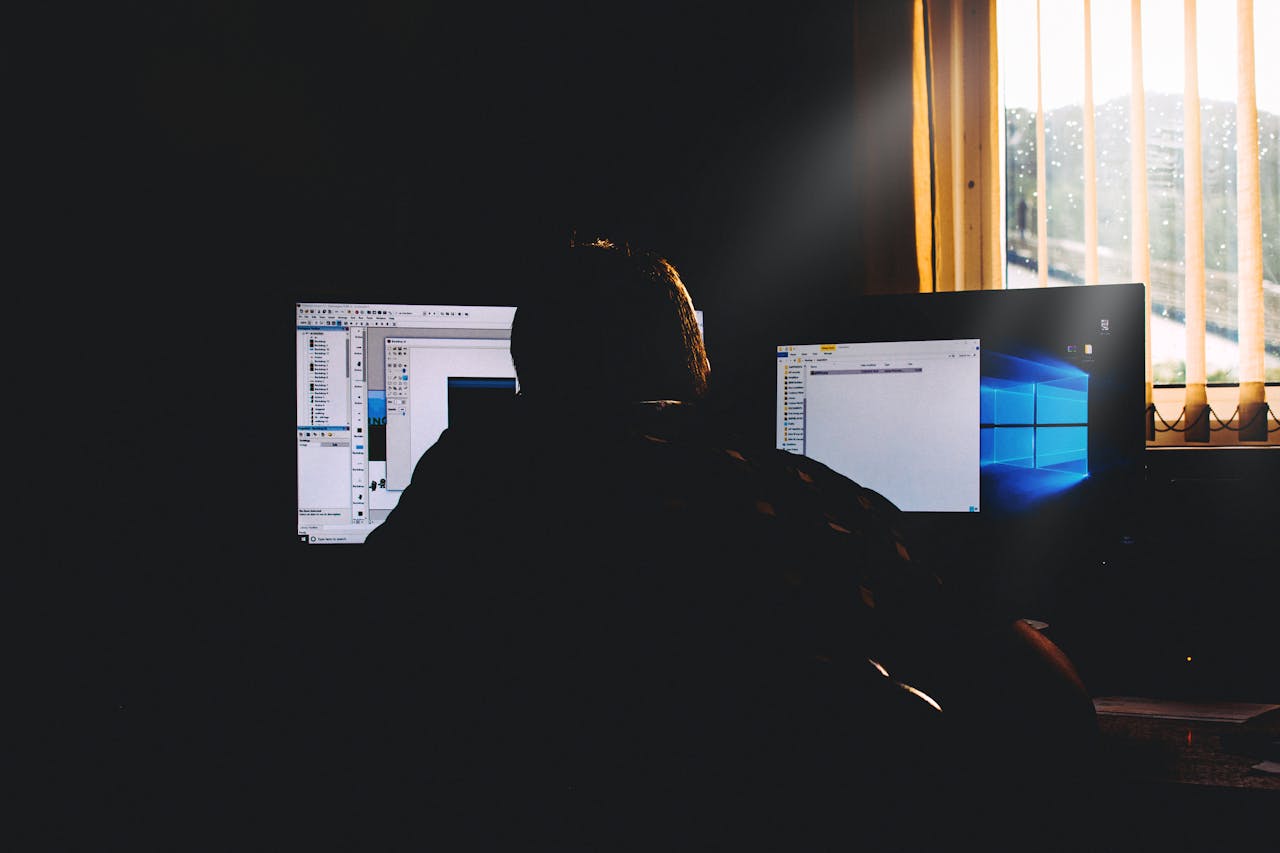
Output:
[[376, 384], [1015, 417]]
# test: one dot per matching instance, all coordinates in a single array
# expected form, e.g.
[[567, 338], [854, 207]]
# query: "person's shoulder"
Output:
[[826, 479], [793, 484], [803, 472], [465, 466]]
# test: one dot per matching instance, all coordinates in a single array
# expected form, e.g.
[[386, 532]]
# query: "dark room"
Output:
[[949, 525]]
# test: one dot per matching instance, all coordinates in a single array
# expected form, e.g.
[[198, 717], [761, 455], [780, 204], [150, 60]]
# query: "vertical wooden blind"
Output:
[[1140, 256], [957, 76], [1253, 404], [1196, 403]]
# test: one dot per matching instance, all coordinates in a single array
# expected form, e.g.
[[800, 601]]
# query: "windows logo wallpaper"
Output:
[[1034, 428]]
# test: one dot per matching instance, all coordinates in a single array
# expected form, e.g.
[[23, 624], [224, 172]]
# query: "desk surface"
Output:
[[1206, 752]]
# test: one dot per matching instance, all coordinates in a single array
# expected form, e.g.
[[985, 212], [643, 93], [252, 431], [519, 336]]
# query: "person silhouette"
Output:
[[635, 625]]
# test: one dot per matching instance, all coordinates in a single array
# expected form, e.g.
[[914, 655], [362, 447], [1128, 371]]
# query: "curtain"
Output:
[[958, 135]]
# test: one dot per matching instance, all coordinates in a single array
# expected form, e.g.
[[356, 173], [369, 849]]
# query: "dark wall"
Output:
[[398, 149], [206, 164], [235, 157]]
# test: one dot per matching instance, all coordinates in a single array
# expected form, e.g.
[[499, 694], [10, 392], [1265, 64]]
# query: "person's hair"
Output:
[[610, 324]]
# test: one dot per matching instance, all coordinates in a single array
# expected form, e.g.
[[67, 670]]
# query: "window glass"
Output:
[[1061, 94]]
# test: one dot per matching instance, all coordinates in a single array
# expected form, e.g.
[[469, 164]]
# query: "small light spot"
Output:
[[765, 508], [837, 528], [867, 597], [902, 551], [736, 455], [925, 696], [655, 438]]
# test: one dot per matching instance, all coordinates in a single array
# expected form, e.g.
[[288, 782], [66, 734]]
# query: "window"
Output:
[[872, 408], [1137, 141], [376, 384]]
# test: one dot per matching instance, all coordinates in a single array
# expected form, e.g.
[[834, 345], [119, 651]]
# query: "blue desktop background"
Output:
[[1034, 428]]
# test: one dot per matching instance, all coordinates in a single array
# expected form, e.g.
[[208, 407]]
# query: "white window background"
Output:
[[1057, 226]]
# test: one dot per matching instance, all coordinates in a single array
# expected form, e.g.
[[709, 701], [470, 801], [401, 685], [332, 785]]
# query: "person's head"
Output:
[[609, 324]]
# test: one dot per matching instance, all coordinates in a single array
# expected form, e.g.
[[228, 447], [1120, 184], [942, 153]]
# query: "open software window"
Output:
[[900, 417], [376, 385]]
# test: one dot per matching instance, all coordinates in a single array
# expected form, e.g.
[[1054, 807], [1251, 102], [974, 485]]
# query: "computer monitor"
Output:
[[1012, 419], [376, 385]]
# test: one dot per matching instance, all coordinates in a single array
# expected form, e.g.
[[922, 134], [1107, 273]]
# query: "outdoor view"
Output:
[[1062, 92]]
